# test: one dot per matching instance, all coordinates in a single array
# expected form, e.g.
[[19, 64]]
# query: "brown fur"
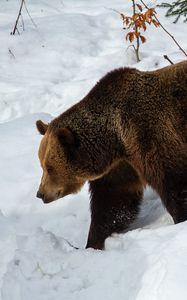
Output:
[[130, 130]]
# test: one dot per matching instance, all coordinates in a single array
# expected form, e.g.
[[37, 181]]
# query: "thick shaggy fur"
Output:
[[130, 130]]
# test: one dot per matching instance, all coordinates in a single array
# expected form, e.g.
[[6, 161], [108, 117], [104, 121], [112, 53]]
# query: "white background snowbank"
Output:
[[51, 68]]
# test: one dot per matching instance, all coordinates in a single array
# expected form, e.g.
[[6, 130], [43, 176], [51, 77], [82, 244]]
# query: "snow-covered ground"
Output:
[[43, 71]]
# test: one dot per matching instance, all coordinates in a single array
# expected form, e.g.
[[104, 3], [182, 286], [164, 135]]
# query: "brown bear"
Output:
[[129, 131]]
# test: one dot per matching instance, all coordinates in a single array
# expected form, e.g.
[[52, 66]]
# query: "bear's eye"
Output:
[[49, 170]]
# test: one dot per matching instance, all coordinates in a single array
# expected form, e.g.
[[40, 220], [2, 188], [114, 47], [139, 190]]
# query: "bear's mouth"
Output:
[[71, 189], [47, 200]]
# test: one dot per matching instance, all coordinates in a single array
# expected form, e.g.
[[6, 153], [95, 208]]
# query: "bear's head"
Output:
[[65, 166]]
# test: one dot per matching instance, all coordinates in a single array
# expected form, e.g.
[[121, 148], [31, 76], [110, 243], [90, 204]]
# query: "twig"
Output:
[[175, 41], [11, 53], [23, 25], [19, 15], [29, 14], [136, 49], [70, 244], [167, 58], [115, 10]]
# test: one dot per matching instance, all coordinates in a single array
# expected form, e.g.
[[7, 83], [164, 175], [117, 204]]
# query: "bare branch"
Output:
[[19, 15], [29, 14], [136, 49], [11, 53], [23, 25], [167, 58], [175, 41]]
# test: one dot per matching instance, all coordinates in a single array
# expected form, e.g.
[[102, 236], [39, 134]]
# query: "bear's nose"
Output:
[[39, 195]]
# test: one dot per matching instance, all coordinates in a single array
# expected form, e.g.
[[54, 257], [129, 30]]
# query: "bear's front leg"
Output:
[[174, 190], [115, 200]]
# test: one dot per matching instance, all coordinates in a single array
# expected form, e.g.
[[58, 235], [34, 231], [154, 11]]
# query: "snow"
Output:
[[43, 71]]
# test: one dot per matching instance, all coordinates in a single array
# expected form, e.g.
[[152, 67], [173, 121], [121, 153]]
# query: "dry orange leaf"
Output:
[[143, 39], [131, 35], [156, 23]]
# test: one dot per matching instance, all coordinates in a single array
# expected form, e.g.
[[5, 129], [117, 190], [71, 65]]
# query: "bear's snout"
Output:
[[39, 195], [45, 198]]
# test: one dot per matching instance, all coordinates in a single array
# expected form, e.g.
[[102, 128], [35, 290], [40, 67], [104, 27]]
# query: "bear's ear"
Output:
[[65, 136], [42, 127]]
